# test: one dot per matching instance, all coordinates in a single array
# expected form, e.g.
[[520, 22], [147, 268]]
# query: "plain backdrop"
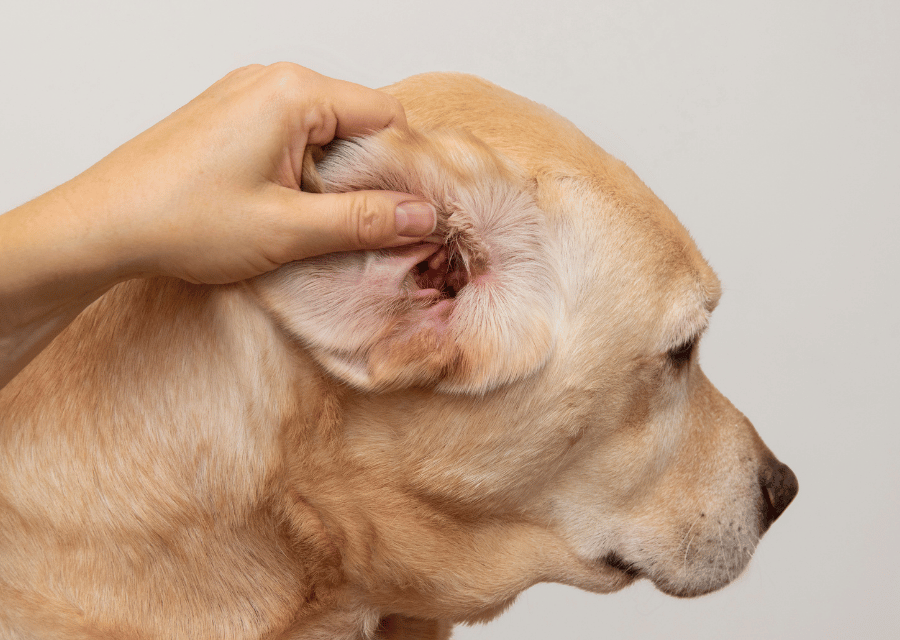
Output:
[[769, 127]]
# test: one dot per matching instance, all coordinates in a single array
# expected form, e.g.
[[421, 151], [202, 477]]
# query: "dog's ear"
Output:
[[474, 309]]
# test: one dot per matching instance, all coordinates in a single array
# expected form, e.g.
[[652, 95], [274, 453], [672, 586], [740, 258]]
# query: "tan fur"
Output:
[[327, 452]]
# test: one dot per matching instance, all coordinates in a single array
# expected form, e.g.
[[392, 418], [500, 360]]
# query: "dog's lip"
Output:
[[617, 562]]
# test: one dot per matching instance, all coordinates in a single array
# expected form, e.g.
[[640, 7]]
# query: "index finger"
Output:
[[360, 111]]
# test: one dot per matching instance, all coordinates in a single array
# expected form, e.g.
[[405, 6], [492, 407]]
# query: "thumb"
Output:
[[359, 220]]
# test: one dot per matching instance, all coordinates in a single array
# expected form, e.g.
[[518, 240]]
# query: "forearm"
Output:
[[210, 195], [54, 261]]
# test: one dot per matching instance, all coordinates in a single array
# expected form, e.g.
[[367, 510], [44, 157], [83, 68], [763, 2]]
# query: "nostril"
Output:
[[779, 486]]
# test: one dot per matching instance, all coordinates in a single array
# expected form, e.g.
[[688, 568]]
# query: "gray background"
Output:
[[769, 127]]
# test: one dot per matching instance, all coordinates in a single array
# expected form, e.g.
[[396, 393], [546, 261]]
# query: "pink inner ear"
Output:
[[442, 272]]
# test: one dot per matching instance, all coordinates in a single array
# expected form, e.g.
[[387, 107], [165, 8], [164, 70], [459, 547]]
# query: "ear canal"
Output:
[[473, 310], [444, 271]]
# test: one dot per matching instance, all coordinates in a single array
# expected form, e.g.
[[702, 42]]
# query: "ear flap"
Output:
[[473, 310]]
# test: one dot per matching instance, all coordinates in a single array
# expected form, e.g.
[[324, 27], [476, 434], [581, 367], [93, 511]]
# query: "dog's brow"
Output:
[[712, 299], [690, 315], [681, 338], [712, 292], [691, 318]]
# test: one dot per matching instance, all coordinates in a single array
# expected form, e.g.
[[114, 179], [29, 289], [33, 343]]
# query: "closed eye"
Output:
[[681, 354]]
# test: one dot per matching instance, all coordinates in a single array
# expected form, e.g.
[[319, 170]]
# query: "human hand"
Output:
[[211, 194]]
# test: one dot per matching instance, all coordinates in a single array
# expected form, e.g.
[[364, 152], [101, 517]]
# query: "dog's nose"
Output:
[[779, 486]]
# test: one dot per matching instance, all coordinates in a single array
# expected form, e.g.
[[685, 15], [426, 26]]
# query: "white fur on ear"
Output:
[[466, 316]]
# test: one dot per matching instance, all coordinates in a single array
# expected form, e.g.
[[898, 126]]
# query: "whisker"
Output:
[[689, 541]]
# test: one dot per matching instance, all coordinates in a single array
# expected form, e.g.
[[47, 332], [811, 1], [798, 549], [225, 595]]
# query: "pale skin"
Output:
[[210, 194]]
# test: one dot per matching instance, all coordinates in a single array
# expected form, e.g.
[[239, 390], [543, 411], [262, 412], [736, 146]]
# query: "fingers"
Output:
[[346, 110], [326, 223], [327, 107], [361, 111]]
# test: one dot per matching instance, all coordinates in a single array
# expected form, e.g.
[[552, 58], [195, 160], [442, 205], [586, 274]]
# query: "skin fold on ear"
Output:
[[472, 310]]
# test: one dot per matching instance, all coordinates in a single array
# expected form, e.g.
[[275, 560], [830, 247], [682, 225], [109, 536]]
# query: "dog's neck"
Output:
[[198, 377], [262, 448]]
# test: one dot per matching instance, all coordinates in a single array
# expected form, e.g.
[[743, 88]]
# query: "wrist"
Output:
[[50, 271], [55, 248]]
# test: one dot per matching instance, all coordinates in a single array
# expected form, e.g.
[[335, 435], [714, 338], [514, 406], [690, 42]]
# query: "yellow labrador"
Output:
[[382, 444]]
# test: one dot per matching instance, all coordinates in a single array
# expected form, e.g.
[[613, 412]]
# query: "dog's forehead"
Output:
[[565, 166], [532, 135]]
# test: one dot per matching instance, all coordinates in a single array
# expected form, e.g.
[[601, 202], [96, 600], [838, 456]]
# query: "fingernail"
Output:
[[415, 219]]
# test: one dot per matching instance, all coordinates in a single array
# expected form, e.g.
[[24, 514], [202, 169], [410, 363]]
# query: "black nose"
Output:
[[779, 486]]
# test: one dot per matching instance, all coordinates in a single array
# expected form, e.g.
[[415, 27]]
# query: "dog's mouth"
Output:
[[617, 562], [630, 572]]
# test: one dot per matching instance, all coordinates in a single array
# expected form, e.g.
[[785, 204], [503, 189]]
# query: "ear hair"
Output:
[[473, 312]]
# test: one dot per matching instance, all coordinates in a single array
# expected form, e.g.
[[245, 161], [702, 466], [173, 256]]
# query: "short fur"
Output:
[[382, 444]]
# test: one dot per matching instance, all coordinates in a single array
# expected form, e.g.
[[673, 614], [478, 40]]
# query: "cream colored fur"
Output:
[[330, 451]]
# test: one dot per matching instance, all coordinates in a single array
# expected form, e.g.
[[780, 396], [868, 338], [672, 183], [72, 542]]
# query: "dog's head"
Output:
[[524, 400]]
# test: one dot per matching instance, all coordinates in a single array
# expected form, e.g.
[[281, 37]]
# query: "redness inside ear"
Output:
[[442, 273]]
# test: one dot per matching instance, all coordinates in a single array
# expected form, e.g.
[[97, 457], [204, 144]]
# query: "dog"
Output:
[[382, 444]]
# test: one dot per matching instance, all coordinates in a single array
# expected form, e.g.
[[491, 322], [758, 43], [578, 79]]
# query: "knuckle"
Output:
[[367, 224], [290, 75], [282, 67], [244, 71], [296, 90], [286, 89], [320, 124], [282, 76]]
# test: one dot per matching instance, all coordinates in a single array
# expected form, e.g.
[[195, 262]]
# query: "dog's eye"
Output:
[[682, 353]]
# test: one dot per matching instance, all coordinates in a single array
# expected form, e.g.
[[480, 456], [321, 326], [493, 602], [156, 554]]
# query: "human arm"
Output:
[[210, 195]]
